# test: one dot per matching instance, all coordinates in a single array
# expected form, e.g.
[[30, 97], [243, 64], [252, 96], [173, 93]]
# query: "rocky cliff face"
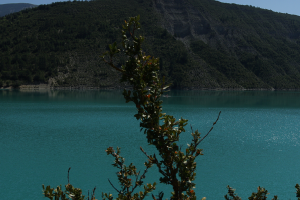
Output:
[[181, 19], [240, 33]]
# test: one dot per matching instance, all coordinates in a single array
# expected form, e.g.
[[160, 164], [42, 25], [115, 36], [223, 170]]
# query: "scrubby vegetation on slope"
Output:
[[201, 44]]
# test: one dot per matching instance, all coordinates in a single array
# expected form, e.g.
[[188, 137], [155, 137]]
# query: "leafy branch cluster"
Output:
[[69, 193], [177, 166], [124, 177]]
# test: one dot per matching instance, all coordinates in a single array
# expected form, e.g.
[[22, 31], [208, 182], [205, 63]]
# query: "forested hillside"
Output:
[[201, 44]]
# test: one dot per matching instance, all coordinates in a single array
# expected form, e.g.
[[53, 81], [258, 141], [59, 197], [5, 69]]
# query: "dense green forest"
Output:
[[201, 44]]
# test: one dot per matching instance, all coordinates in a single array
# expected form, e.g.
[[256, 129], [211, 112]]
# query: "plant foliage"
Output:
[[176, 165]]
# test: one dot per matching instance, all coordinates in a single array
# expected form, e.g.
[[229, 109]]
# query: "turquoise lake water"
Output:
[[255, 143]]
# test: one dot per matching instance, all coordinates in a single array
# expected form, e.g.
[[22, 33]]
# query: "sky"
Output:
[[283, 6]]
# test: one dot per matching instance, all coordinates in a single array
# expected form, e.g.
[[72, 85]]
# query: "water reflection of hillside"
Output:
[[65, 95], [86, 94], [259, 99]]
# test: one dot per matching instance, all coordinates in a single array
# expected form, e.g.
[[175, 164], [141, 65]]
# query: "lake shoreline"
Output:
[[38, 87]]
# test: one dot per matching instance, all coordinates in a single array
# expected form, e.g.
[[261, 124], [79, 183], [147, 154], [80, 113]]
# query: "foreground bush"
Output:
[[176, 165]]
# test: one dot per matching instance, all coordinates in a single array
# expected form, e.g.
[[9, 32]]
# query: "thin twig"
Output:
[[69, 174], [153, 197], [113, 66], [192, 128], [114, 187], [155, 161], [93, 196], [141, 177], [136, 180], [210, 129], [145, 153], [160, 195]]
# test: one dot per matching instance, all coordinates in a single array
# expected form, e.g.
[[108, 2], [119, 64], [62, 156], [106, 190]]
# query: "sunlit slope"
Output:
[[9, 8]]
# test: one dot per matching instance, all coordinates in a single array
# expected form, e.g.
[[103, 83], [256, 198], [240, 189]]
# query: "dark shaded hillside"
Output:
[[6, 9], [61, 43], [201, 44]]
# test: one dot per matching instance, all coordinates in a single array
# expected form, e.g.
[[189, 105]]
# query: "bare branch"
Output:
[[210, 129], [113, 66], [153, 197], [114, 187], [69, 174], [145, 153], [155, 161], [192, 128], [93, 196]]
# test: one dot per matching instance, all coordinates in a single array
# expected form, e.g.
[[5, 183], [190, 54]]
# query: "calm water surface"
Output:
[[255, 143]]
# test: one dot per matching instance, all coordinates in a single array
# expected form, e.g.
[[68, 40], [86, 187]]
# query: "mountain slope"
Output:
[[6, 9], [201, 44], [246, 44]]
